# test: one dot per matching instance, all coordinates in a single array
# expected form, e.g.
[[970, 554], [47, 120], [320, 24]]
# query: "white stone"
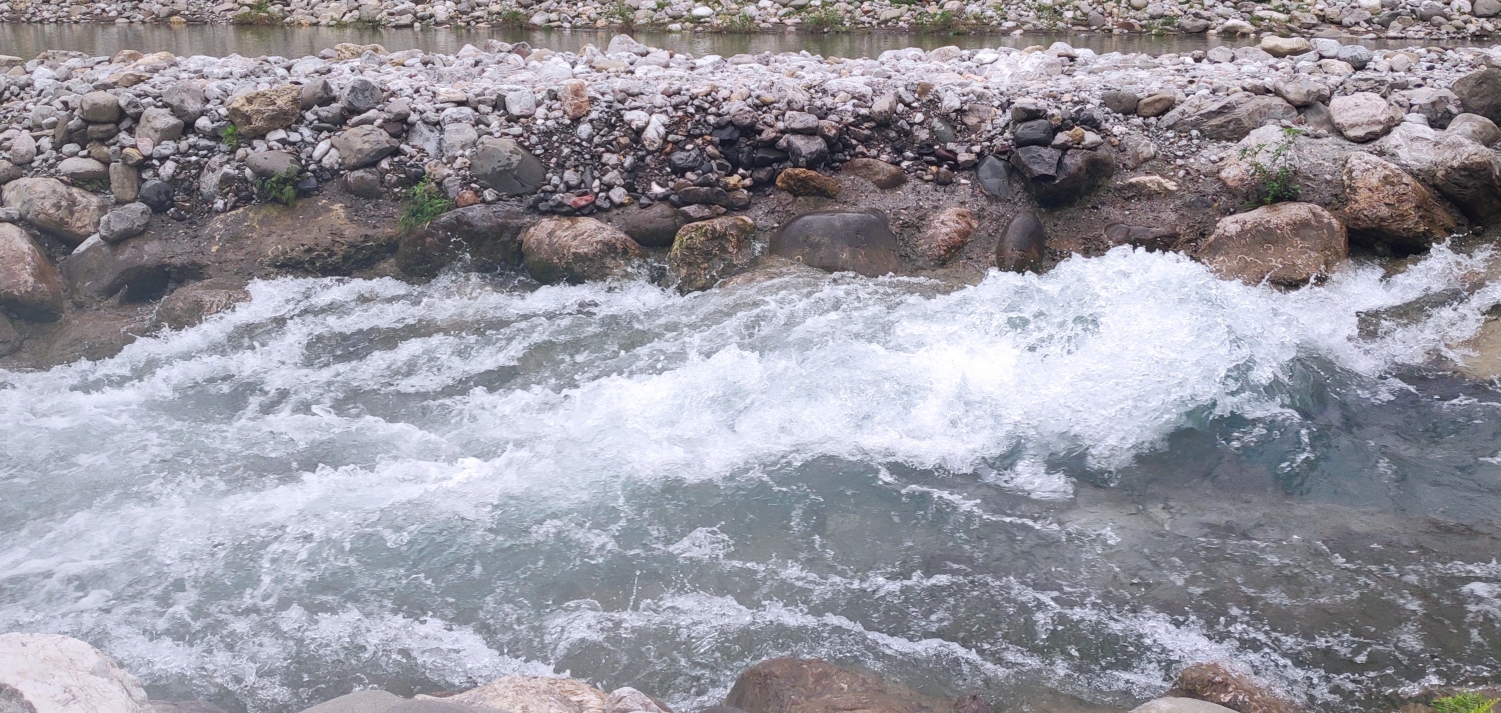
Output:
[[59, 674]]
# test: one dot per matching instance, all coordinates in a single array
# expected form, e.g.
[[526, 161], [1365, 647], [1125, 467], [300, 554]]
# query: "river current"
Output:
[[1074, 482]]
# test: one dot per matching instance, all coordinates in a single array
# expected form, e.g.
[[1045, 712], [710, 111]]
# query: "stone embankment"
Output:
[[146, 190], [1404, 19], [44, 673]]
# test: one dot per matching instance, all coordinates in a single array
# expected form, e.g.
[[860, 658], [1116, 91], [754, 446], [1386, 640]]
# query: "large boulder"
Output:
[[535, 694], [577, 250], [1363, 116], [1255, 166], [259, 113], [1476, 128], [708, 251], [1024, 245], [1384, 204], [1480, 93], [813, 686], [488, 235], [363, 145], [1286, 244], [67, 213], [1228, 118], [947, 232], [30, 286], [855, 241], [1215, 684], [48, 673], [506, 167], [1469, 175]]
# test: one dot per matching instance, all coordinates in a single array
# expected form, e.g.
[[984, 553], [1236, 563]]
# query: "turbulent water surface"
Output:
[[1076, 482]]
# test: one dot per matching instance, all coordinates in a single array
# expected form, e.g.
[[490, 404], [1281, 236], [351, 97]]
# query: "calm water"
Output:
[[1078, 482], [222, 40]]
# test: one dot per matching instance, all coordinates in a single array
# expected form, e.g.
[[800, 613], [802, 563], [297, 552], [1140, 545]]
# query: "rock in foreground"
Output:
[[1287, 244]]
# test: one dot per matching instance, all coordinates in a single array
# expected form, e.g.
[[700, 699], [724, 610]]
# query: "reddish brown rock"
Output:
[[1387, 205], [574, 95], [947, 233], [1214, 683], [805, 182], [880, 173]]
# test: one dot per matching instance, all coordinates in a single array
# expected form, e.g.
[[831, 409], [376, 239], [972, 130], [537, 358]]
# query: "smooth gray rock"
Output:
[[1180, 705], [805, 151], [361, 96], [124, 222], [1038, 132], [1476, 128], [265, 164], [654, 226], [364, 182], [364, 145], [81, 169], [317, 92], [186, 100], [1120, 102], [504, 166], [158, 125], [359, 702], [994, 176], [840, 241], [1479, 92], [157, 194]]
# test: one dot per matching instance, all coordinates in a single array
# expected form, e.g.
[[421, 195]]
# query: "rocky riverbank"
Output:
[[143, 191], [44, 673]]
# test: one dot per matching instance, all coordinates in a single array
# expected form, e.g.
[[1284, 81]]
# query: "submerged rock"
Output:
[[194, 302], [1286, 244], [840, 241]]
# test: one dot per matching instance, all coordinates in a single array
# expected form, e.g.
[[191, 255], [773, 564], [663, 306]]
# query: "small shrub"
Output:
[[282, 187], [825, 19], [230, 135], [1468, 702], [425, 202], [1274, 176], [740, 24], [622, 15], [258, 13], [513, 19], [942, 22]]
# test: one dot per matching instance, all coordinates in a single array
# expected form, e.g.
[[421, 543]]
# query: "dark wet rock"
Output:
[[807, 182], [805, 151], [812, 686], [1038, 132], [30, 287], [704, 195], [1384, 204], [365, 145], [265, 164], [1120, 102], [840, 241], [186, 100], [706, 252], [654, 226], [685, 161], [1079, 173], [1023, 246], [360, 96], [1142, 236], [1214, 683], [188, 306], [577, 250], [157, 194], [1228, 118], [68, 213], [994, 176], [1480, 93], [507, 168], [11, 342], [1037, 163], [488, 235], [126, 221], [948, 231], [883, 175], [1286, 244]]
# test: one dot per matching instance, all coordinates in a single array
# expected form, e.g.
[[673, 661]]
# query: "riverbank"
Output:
[[146, 190], [1396, 19], [59, 674]]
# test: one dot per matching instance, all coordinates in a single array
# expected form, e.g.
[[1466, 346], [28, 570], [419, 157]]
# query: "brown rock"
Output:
[[1024, 245], [806, 182], [706, 252], [837, 241], [257, 113], [68, 213], [534, 694], [1387, 205], [577, 250], [1142, 236], [30, 286], [1287, 244], [813, 686], [466, 198], [574, 95], [1213, 683], [948, 231], [880, 173], [1155, 105]]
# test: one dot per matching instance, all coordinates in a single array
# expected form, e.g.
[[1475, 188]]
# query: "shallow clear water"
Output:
[[1078, 482], [29, 40]]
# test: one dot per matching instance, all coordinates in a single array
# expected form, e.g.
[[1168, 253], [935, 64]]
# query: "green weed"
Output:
[[282, 187], [230, 135], [1467, 702], [1274, 176], [424, 202]]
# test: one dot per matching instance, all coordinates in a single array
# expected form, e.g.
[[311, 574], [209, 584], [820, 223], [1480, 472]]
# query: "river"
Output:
[[29, 40], [1075, 482]]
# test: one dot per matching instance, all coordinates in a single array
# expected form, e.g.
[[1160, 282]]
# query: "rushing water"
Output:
[[28, 40], [1078, 482]]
